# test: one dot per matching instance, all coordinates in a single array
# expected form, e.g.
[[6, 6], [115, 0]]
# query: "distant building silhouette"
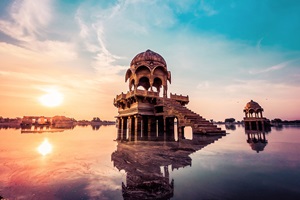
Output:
[[254, 119]]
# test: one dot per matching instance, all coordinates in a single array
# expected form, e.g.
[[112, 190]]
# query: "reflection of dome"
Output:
[[257, 140], [252, 105], [148, 56], [259, 146]]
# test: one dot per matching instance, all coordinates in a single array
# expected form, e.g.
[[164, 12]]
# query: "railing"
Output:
[[129, 94], [120, 96], [179, 97]]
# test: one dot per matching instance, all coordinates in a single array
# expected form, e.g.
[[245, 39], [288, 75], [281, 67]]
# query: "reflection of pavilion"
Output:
[[44, 128], [147, 164], [257, 140]]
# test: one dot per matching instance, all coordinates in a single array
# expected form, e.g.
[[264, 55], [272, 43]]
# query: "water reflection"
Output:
[[44, 128], [96, 127], [230, 126], [147, 164], [45, 148], [257, 140]]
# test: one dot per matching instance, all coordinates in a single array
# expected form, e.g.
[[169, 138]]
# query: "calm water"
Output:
[[82, 163]]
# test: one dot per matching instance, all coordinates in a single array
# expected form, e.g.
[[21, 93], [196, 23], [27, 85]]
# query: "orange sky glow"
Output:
[[84, 57]]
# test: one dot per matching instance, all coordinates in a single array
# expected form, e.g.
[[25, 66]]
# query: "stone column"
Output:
[[165, 125], [119, 129], [149, 127], [129, 128], [123, 128], [165, 89], [180, 132], [137, 126]]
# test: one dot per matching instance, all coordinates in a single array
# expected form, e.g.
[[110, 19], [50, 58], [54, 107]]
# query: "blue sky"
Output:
[[220, 53]]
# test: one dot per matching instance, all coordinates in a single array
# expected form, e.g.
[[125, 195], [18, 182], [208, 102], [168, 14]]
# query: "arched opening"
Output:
[[131, 85], [128, 74], [175, 129], [160, 71], [259, 113], [251, 111], [144, 82], [188, 133], [157, 83], [142, 70]]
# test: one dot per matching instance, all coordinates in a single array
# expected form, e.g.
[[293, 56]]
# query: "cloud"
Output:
[[203, 85], [272, 68], [27, 20]]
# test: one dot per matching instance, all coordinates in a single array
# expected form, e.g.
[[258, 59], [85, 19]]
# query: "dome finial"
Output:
[[147, 56]]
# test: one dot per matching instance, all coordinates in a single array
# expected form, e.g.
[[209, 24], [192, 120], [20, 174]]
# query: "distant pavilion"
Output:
[[254, 119]]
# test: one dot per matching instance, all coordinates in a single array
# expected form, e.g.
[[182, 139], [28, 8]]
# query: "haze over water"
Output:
[[83, 163]]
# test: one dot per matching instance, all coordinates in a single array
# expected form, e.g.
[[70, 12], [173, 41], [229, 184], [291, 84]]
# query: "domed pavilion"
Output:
[[254, 119], [146, 111]]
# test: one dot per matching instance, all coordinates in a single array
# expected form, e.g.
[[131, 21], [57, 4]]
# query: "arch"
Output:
[[128, 74], [169, 77], [251, 110], [159, 70], [157, 83], [144, 81], [259, 110], [142, 70], [131, 84]]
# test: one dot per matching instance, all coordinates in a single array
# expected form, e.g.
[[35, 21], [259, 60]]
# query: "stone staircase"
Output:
[[187, 117]]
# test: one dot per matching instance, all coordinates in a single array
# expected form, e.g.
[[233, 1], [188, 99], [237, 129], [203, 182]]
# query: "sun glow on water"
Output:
[[45, 148]]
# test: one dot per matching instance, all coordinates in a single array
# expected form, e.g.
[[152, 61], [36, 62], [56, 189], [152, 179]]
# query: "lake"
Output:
[[88, 163]]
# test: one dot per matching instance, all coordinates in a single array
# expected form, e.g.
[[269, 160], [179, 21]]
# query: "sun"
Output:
[[52, 98]]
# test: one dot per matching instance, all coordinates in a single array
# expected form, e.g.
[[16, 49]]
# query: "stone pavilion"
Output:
[[254, 119], [146, 111]]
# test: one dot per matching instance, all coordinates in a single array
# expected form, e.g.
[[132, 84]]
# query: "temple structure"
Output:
[[146, 108], [254, 119]]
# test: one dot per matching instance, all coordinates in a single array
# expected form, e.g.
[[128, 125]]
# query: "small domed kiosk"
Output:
[[149, 71], [254, 119], [146, 111]]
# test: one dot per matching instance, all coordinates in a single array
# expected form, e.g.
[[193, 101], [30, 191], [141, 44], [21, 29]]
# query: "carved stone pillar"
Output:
[[149, 127], [119, 128], [137, 126], [129, 128], [123, 128]]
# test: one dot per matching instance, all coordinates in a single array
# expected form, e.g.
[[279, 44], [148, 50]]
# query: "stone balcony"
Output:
[[142, 93]]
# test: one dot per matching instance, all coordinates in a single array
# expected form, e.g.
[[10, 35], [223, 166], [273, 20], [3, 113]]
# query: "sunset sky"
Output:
[[220, 53]]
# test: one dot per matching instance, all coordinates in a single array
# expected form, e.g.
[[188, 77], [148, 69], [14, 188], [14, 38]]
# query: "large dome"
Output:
[[252, 105], [148, 56]]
